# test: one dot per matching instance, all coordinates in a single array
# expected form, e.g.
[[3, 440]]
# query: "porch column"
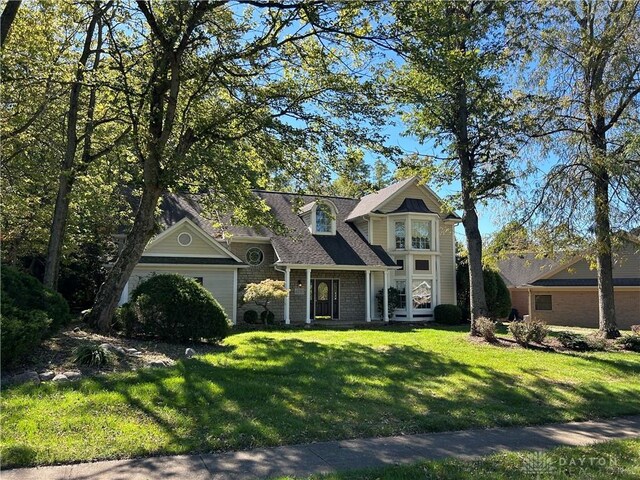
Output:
[[367, 295], [308, 317], [385, 297], [287, 285]]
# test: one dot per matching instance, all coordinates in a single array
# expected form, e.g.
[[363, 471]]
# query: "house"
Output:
[[564, 291], [337, 254]]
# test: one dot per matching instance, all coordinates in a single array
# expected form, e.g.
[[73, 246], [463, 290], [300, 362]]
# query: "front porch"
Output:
[[334, 296]]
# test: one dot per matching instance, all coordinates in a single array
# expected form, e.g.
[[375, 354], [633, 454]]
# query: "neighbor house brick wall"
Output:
[[580, 308], [520, 300]]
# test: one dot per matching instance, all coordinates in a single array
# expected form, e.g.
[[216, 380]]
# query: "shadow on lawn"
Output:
[[295, 391]]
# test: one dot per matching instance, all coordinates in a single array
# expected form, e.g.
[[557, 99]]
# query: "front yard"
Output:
[[271, 388]]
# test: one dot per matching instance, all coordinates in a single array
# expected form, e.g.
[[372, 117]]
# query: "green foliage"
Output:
[[393, 301], [630, 342], [581, 343], [529, 331], [250, 316], [486, 328], [495, 290], [25, 292], [264, 293], [21, 331], [93, 355], [447, 314], [173, 307]]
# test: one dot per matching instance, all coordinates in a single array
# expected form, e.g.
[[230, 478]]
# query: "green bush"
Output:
[[495, 291], [630, 342], [486, 328], [267, 317], [393, 301], [250, 316], [529, 331], [581, 343], [173, 307], [25, 292], [93, 355], [21, 331], [447, 314]]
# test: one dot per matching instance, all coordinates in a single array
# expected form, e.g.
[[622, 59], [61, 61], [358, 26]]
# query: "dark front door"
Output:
[[324, 297]]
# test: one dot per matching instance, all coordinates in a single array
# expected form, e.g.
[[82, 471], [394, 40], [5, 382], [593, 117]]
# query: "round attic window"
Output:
[[254, 256], [185, 239]]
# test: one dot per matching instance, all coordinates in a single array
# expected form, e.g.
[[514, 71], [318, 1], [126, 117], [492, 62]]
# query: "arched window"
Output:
[[324, 219]]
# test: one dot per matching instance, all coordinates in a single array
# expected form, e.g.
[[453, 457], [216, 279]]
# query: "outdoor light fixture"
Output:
[[299, 283]]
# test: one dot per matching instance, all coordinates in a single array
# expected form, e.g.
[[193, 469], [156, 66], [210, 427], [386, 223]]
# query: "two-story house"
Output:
[[338, 254]]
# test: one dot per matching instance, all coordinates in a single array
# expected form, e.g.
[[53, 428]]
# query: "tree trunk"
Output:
[[470, 216], [67, 175], [110, 291], [606, 301], [7, 18]]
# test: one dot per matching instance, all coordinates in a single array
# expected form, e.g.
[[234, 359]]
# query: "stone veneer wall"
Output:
[[256, 274], [352, 293]]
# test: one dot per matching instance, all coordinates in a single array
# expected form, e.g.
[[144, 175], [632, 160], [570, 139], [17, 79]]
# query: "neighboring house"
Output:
[[566, 293], [337, 255]]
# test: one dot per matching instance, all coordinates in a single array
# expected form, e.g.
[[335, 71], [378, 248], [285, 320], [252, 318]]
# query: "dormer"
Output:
[[320, 217]]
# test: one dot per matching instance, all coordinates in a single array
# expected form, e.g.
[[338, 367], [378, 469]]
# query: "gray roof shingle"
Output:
[[371, 202], [523, 268], [585, 282]]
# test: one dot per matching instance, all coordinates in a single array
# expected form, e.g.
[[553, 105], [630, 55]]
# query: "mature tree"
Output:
[[9, 13], [220, 95], [588, 63], [454, 54], [354, 176]]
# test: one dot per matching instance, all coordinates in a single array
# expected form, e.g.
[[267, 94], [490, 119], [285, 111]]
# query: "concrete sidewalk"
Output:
[[322, 457]]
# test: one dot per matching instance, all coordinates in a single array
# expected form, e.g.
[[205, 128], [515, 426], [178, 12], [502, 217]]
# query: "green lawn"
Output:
[[271, 388], [618, 459]]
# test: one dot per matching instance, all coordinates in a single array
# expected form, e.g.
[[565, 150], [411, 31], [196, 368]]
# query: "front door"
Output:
[[323, 296], [325, 299]]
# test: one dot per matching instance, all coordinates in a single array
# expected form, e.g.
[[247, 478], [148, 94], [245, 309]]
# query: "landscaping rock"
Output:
[[131, 350], [60, 378], [71, 375], [46, 376], [189, 352], [157, 363], [113, 348], [29, 376]]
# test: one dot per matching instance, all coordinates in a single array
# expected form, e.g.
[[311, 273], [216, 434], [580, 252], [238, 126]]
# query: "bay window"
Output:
[[421, 234], [400, 235]]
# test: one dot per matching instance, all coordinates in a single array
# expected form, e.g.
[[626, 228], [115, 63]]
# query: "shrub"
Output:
[[92, 355], [486, 328], [25, 292], [635, 329], [250, 316], [267, 317], [21, 331], [581, 343], [447, 314], [529, 331], [173, 307], [393, 301], [264, 293], [495, 291], [630, 342]]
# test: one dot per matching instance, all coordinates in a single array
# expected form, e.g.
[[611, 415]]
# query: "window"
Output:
[[422, 265], [543, 302], [400, 263], [421, 234], [421, 293], [401, 286], [254, 256], [324, 219], [184, 239], [400, 235]]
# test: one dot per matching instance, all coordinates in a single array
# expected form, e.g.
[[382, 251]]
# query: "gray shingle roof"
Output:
[[585, 282], [523, 268], [347, 248], [371, 202]]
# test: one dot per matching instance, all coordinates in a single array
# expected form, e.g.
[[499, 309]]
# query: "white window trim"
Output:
[[313, 225]]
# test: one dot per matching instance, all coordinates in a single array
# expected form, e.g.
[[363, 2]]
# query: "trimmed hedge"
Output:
[[173, 307], [30, 312], [447, 314], [251, 316]]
